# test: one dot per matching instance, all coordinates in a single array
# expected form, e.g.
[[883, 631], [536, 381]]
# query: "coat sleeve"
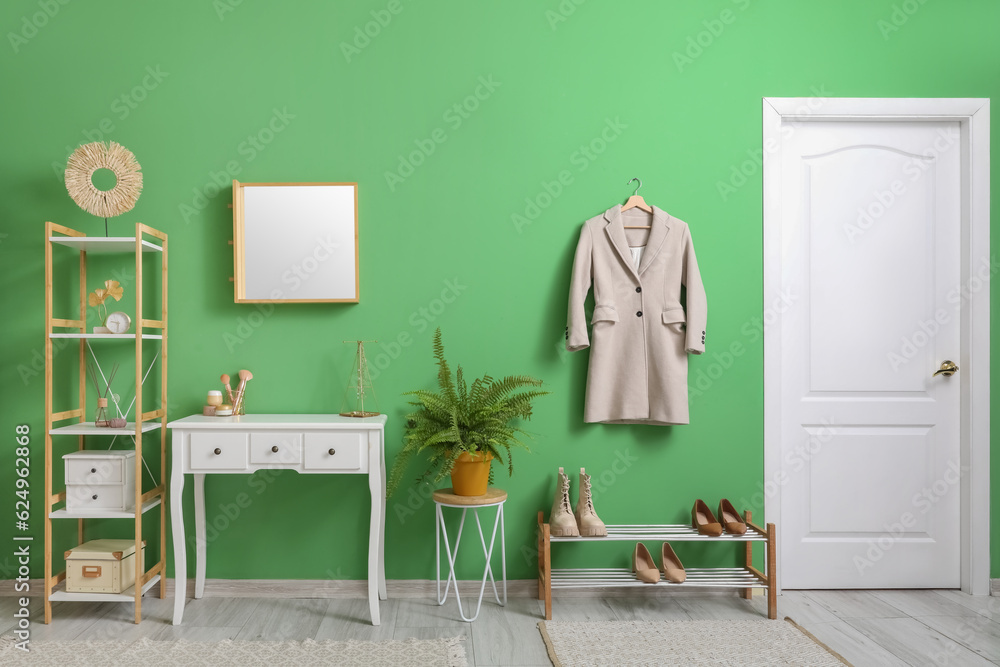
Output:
[[697, 304], [576, 324]]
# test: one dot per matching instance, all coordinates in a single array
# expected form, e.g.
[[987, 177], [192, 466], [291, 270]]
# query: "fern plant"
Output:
[[457, 418]]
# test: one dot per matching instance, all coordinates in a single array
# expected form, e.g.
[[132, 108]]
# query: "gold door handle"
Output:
[[948, 368]]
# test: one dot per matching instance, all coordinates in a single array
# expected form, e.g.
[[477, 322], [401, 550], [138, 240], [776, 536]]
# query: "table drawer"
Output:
[[218, 451], [339, 450], [276, 448]]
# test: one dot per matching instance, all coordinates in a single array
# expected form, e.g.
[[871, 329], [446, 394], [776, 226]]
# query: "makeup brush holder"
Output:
[[239, 406]]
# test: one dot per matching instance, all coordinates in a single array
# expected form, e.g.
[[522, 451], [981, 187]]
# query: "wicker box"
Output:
[[102, 566]]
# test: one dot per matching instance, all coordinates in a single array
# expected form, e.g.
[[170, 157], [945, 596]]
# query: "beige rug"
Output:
[[437, 652], [718, 643]]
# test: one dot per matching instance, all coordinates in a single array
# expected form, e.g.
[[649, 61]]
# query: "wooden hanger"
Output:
[[636, 201]]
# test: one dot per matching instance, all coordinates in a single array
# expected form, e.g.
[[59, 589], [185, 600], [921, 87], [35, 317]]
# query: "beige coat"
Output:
[[641, 332]]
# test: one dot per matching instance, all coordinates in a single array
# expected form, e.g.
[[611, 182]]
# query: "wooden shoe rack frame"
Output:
[[743, 578]]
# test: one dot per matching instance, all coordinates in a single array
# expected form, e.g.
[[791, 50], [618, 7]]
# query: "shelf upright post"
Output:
[[47, 505], [138, 424], [83, 366], [163, 421]]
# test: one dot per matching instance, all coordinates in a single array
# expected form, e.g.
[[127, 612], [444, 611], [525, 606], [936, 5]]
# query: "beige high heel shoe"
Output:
[[643, 566], [731, 519], [704, 521], [673, 570]]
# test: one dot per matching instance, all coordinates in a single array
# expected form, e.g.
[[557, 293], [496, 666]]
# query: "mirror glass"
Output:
[[295, 242]]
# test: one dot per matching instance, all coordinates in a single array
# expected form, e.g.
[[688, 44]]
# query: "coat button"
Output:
[[639, 314], [638, 289]]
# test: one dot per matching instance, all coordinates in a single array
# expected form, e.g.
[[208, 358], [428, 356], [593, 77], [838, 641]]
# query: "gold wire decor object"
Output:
[[80, 169], [360, 382]]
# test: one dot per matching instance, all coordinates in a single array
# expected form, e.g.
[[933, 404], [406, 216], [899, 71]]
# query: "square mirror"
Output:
[[295, 242]]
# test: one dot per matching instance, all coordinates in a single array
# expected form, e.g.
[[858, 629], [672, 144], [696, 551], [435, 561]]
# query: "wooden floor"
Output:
[[866, 627]]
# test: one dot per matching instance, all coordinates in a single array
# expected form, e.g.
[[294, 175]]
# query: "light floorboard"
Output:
[[851, 604], [855, 646], [285, 619], [883, 628], [499, 633], [916, 644], [923, 603], [977, 633]]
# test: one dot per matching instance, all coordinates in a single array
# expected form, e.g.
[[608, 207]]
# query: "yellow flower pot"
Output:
[[471, 474]]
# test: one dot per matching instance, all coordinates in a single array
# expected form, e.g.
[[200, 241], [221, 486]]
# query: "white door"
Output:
[[870, 263]]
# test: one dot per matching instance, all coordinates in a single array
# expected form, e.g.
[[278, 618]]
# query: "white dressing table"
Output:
[[308, 444]]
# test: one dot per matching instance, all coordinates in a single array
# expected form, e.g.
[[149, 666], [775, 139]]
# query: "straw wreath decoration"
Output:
[[87, 159]]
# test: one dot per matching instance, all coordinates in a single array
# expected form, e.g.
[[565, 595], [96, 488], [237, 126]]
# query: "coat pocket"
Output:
[[674, 316], [674, 319], [604, 314]]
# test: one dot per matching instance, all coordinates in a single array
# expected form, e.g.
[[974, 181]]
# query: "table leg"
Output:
[[378, 496], [177, 532], [381, 532], [200, 539]]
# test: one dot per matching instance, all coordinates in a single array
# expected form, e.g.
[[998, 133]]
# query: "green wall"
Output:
[[474, 232]]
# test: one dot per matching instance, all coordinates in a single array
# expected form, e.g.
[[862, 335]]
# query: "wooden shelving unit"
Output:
[[743, 578], [83, 428]]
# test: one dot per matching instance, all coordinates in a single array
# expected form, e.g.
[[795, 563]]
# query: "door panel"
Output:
[[870, 233]]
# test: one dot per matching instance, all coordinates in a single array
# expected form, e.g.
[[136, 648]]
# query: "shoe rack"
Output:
[[745, 578], [64, 426]]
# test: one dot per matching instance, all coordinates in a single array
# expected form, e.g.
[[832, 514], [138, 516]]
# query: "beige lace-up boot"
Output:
[[587, 521], [562, 523]]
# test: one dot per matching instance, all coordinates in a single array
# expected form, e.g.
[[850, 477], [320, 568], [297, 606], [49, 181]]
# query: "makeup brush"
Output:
[[245, 376], [229, 390]]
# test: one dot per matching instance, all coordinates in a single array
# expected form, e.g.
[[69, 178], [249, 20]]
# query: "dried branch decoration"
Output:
[[97, 298], [87, 159]]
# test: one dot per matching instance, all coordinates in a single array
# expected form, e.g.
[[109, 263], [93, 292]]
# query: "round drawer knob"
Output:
[[95, 496], [332, 451], [93, 470], [217, 451], [274, 449]]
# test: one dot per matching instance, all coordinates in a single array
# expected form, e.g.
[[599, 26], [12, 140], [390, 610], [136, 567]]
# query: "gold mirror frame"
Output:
[[240, 238]]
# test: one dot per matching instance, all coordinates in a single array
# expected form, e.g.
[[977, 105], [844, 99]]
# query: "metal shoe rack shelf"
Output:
[[743, 578]]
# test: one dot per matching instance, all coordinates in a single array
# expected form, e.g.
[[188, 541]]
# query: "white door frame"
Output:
[[973, 115]]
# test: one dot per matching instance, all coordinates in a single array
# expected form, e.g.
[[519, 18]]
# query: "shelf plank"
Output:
[[104, 244], [59, 594], [697, 577], [88, 428], [663, 532], [104, 514], [101, 336]]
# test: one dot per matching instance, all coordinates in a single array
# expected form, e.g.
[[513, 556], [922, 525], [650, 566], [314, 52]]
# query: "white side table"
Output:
[[493, 498]]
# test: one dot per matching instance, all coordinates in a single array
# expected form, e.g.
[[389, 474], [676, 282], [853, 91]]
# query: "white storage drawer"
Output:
[[83, 497], [92, 470], [276, 447], [337, 450], [100, 480], [218, 451]]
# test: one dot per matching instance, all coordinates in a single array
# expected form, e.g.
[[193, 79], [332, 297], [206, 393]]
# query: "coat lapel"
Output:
[[656, 236], [615, 230]]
